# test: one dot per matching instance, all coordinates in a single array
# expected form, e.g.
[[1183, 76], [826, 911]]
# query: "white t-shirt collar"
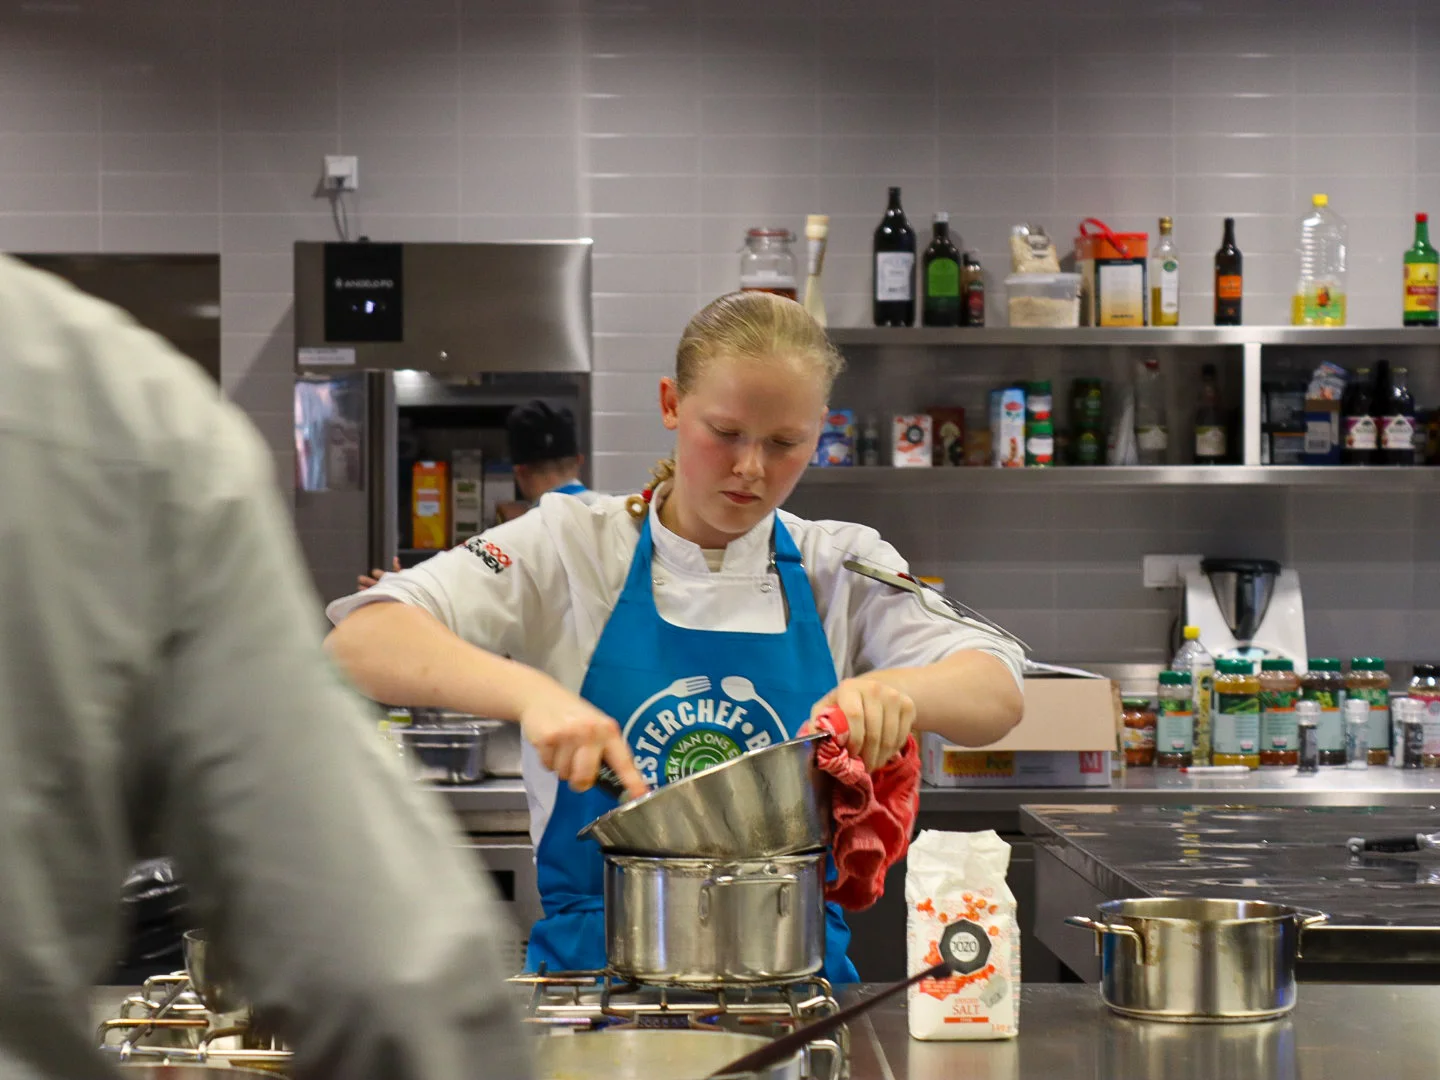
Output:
[[747, 554]]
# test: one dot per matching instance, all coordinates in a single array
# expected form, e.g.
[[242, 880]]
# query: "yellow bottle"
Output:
[[1319, 298]]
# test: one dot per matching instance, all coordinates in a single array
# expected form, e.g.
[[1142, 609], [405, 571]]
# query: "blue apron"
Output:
[[574, 487], [686, 700]]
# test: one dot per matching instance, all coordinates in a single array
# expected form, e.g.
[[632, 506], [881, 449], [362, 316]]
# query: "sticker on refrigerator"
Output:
[[310, 357]]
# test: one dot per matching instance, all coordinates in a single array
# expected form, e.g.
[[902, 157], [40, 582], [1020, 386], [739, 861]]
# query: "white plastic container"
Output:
[[1044, 299], [1320, 291]]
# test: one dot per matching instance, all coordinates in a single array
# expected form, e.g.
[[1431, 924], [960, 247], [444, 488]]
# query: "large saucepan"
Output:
[[772, 801], [1198, 961]]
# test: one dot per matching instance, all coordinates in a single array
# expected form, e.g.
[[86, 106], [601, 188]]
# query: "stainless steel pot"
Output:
[[706, 922], [1198, 961], [446, 753], [772, 801], [651, 1054], [209, 975]]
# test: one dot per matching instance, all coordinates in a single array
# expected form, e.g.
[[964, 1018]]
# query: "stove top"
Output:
[[166, 1020]]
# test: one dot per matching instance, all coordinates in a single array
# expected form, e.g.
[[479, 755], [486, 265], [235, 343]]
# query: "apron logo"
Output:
[[488, 553], [686, 727]]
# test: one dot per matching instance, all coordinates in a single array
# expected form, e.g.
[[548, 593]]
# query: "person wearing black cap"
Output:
[[544, 450]]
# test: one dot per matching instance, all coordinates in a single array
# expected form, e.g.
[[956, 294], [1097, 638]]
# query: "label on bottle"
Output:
[[1397, 432], [1235, 724], [894, 275], [1330, 728], [1378, 725], [1169, 288], [975, 304], [1430, 724], [1040, 450], [1319, 303], [942, 279], [1175, 727], [1228, 286], [1203, 683], [1152, 438], [1278, 730], [1138, 738], [1209, 442], [1361, 433], [1422, 288]]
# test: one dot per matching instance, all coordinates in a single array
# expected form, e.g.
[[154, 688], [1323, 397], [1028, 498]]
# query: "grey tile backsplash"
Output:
[[663, 130]]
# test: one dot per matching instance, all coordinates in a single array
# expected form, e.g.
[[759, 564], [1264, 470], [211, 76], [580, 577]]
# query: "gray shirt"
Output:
[[162, 686]]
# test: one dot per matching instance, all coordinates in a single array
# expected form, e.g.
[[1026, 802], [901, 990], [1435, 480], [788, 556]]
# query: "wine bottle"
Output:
[[941, 275], [893, 284], [1229, 279]]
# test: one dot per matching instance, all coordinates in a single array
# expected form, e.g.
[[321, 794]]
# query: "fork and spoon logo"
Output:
[[685, 727]]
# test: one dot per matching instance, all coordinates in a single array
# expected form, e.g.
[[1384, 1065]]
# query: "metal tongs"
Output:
[[1391, 845], [931, 599]]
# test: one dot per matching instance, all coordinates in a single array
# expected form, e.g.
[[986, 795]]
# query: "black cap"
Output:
[[539, 433]]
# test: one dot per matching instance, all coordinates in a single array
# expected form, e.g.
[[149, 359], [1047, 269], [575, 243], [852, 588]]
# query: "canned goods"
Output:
[[1307, 719]]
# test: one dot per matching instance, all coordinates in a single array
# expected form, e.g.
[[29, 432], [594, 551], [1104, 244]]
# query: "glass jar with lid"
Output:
[[1369, 682], [767, 263], [1324, 684], [1175, 722], [1235, 721], [1139, 734], [1425, 690], [1279, 691]]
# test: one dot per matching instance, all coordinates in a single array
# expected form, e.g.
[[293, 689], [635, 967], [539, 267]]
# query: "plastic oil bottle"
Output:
[[1320, 292], [1195, 659]]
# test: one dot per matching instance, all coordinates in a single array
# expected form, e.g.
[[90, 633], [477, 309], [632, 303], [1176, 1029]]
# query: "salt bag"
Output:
[[959, 878]]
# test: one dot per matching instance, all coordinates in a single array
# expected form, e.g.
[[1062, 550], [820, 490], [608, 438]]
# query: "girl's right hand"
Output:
[[573, 738]]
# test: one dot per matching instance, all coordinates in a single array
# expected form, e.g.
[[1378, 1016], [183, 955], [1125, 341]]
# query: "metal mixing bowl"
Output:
[[772, 801]]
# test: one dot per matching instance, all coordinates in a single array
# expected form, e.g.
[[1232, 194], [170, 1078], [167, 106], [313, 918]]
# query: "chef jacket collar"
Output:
[[747, 554]]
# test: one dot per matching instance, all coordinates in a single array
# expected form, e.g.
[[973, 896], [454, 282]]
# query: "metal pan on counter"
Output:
[[1193, 960]]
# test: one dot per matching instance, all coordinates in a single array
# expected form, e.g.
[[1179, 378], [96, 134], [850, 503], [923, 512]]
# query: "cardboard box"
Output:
[[1066, 738], [910, 444], [1322, 432]]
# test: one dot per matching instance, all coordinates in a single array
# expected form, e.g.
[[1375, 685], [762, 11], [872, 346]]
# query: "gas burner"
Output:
[[166, 1021], [599, 1000]]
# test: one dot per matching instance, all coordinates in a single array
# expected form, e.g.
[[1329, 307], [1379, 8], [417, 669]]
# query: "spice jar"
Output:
[[1368, 681], [1425, 691], [1139, 736], [1235, 721], [1324, 685], [1279, 690], [767, 263], [1175, 722]]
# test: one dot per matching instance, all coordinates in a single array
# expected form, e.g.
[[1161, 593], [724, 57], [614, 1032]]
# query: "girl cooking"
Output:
[[664, 633]]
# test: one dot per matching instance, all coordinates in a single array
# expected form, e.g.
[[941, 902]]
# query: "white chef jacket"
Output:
[[161, 677], [540, 589]]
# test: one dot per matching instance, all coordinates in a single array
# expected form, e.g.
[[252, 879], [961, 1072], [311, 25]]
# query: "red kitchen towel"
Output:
[[874, 814]]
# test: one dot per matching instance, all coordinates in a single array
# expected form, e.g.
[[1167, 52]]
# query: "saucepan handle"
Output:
[[1100, 929], [1307, 921], [787, 883]]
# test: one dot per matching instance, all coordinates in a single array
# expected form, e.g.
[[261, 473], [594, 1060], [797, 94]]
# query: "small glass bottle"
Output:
[[1307, 721], [1409, 726], [1425, 690], [869, 447], [1175, 722], [1235, 720], [1325, 685], [1139, 737], [1279, 690], [1357, 733]]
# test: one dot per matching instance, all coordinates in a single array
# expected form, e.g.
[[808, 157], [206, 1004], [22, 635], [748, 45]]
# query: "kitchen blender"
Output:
[[1246, 609]]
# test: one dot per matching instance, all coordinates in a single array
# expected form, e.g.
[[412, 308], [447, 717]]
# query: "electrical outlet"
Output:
[[342, 172], [1161, 571]]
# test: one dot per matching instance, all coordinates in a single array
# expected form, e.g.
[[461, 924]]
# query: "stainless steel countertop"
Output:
[[499, 805], [1336, 1031]]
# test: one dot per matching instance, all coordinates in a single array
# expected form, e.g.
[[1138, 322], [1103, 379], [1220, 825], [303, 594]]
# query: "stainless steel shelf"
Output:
[[1151, 336], [1396, 479]]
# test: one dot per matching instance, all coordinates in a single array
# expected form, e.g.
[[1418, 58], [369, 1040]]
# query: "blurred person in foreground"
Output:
[[162, 688], [544, 448]]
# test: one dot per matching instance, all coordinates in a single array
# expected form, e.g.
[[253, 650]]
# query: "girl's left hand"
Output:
[[880, 718]]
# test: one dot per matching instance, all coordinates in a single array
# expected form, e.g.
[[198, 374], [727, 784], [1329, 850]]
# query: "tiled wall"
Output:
[[663, 128]]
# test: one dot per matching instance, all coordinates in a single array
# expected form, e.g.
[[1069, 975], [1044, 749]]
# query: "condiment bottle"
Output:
[[1279, 690], [1175, 723], [1324, 685], [1425, 689], [1307, 717], [1139, 734], [1369, 682], [1235, 720], [1357, 733]]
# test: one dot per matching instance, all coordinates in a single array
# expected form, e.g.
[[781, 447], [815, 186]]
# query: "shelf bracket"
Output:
[[1250, 405]]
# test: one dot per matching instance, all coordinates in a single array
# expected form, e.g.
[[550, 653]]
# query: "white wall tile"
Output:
[[177, 193], [1226, 114]]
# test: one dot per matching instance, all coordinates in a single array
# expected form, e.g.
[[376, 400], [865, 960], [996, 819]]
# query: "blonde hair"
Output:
[[755, 326]]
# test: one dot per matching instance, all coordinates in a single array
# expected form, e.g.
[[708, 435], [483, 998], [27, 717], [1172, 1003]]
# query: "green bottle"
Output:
[[1422, 278]]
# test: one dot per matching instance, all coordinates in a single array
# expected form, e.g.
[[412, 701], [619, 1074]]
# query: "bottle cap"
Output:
[[1307, 711], [1192, 633], [942, 217], [1166, 223], [1367, 663], [1321, 199], [1422, 218], [1277, 665], [1425, 671], [1356, 708], [1235, 667], [1324, 663], [1175, 678]]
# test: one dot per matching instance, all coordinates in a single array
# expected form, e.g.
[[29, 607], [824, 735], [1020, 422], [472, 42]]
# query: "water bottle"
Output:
[[1320, 294]]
